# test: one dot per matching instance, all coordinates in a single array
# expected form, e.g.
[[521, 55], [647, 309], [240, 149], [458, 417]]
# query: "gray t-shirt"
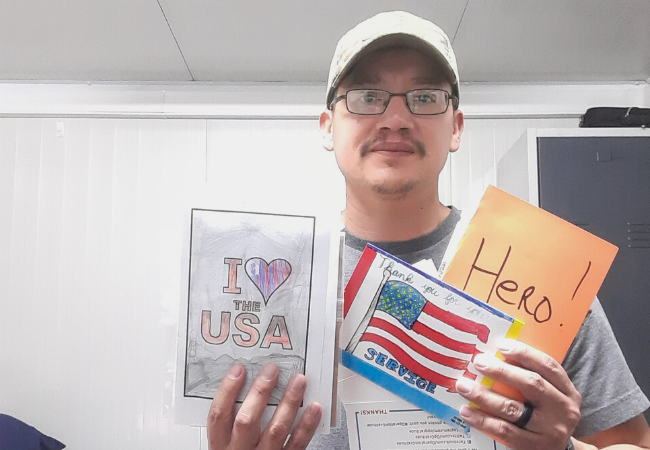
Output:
[[595, 364]]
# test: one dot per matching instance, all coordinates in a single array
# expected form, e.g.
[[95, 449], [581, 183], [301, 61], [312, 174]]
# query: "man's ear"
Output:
[[459, 125], [326, 127]]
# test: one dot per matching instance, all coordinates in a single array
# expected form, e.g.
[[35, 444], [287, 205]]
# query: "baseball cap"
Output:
[[391, 29]]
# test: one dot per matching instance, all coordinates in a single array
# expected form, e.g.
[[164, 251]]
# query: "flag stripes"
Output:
[[431, 342], [444, 340], [454, 363], [437, 367], [460, 323], [351, 289], [449, 350], [470, 375], [407, 361]]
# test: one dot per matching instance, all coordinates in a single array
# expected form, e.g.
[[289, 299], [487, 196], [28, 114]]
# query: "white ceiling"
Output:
[[293, 40]]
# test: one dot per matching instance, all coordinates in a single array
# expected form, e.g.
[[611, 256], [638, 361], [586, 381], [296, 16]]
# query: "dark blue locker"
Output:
[[602, 184]]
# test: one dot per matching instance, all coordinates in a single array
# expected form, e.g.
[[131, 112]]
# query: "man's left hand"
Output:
[[545, 385]]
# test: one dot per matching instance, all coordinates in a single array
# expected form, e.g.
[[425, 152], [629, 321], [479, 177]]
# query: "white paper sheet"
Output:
[[259, 286], [398, 425]]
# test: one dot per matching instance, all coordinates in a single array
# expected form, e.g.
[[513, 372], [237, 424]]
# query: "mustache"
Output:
[[373, 140]]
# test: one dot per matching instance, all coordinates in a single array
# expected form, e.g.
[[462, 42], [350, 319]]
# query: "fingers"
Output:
[[280, 425], [220, 416], [531, 384], [306, 428], [495, 404], [539, 362], [243, 432], [504, 431], [246, 428], [555, 401]]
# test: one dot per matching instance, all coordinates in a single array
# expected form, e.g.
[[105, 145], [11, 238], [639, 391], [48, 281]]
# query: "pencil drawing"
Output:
[[249, 295]]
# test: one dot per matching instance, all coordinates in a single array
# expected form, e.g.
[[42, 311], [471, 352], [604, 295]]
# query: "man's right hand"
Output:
[[241, 431]]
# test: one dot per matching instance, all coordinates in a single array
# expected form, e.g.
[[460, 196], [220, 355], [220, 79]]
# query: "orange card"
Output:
[[533, 266]]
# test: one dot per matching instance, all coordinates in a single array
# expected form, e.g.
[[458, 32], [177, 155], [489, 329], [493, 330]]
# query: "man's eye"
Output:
[[370, 98], [431, 97]]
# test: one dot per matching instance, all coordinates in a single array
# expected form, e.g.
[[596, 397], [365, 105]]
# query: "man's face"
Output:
[[397, 152]]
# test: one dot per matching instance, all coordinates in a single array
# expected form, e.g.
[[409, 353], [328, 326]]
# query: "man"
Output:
[[392, 118]]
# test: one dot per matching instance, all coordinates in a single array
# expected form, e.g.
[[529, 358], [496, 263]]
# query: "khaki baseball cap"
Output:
[[391, 29]]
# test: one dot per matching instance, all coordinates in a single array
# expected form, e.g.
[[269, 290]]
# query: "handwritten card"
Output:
[[531, 265], [414, 335]]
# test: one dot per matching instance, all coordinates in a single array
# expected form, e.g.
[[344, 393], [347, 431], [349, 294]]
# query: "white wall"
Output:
[[89, 255], [91, 197]]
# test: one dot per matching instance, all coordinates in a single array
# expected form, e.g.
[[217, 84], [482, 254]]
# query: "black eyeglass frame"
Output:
[[453, 98]]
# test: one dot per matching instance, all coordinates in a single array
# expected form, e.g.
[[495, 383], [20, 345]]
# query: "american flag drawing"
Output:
[[415, 335], [435, 344], [433, 339]]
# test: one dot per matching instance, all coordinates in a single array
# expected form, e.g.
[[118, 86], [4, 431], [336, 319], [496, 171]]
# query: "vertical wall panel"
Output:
[[74, 371], [21, 318], [483, 144], [478, 170], [98, 328], [124, 276], [92, 229], [8, 155], [48, 262]]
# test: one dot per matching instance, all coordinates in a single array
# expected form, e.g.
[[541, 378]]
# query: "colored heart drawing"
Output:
[[268, 277]]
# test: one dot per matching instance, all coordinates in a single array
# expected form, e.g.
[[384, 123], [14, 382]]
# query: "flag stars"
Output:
[[401, 301]]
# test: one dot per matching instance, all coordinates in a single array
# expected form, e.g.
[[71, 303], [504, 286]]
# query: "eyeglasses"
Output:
[[424, 102]]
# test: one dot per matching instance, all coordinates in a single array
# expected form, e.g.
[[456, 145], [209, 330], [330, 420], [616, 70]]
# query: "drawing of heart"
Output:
[[267, 277]]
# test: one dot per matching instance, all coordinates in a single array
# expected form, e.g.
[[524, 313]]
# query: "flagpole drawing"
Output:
[[361, 329]]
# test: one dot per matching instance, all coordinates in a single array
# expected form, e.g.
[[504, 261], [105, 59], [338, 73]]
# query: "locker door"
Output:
[[602, 184]]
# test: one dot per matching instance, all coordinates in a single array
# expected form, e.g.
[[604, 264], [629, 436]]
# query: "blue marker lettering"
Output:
[[372, 352], [392, 364], [411, 377]]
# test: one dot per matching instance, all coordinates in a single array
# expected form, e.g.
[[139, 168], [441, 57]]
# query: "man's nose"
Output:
[[397, 115]]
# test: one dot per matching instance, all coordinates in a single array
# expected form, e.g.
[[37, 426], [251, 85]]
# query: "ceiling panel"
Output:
[[98, 40], [292, 41], [554, 40]]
